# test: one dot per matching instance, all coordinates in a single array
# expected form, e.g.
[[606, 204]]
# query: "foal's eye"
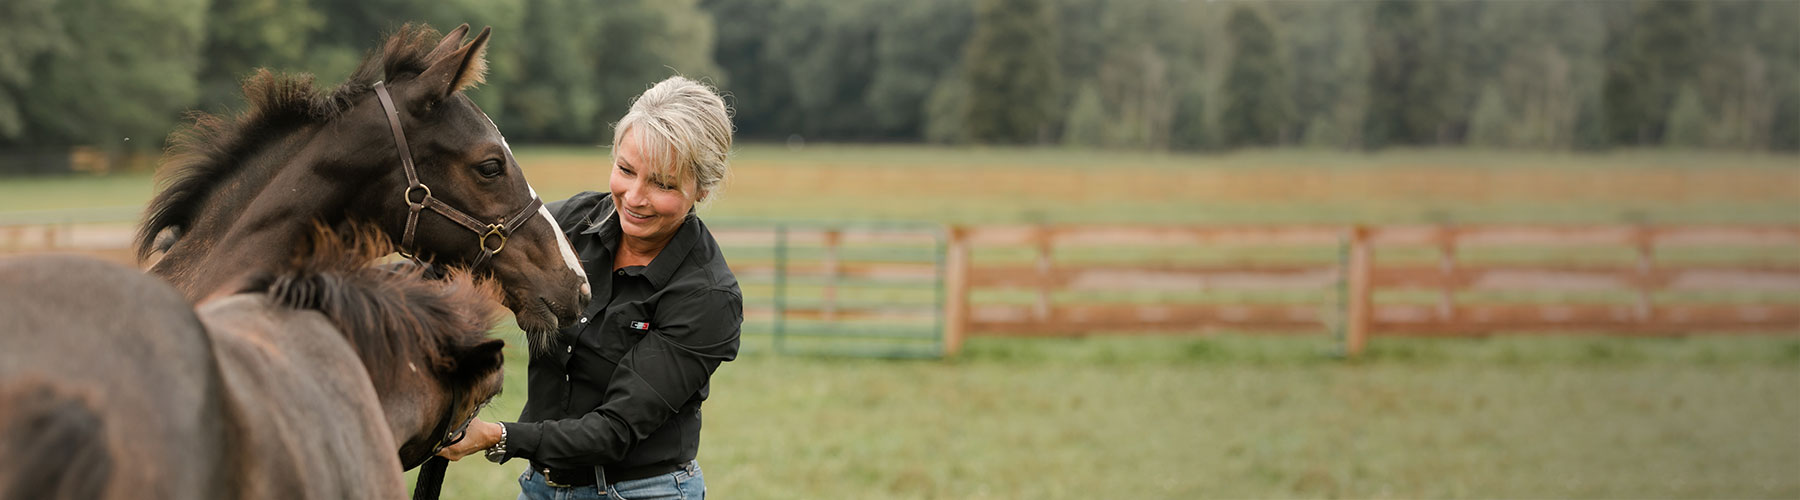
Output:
[[490, 169]]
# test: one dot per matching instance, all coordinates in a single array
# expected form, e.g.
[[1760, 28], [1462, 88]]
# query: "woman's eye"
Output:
[[490, 169]]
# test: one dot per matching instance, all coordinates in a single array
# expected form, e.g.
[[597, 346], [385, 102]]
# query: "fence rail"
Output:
[[1386, 280]]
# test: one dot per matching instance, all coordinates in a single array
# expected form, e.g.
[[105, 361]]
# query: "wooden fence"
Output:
[[920, 289], [1372, 281]]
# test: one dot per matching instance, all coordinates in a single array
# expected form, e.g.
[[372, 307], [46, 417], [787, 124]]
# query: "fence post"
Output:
[[956, 293], [1042, 311], [1360, 313], [780, 287], [832, 270], [1446, 243], [1645, 242]]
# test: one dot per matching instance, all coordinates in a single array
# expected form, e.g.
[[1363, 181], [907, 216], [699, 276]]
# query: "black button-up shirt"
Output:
[[623, 386]]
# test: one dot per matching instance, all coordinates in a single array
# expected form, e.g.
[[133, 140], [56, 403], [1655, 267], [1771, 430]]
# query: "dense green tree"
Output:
[[549, 88], [29, 29], [1687, 121], [1649, 59], [244, 35], [1152, 74], [910, 43], [1257, 107], [1086, 124], [121, 72], [1327, 64], [1406, 76], [945, 110], [1187, 128], [1011, 69], [1489, 125]]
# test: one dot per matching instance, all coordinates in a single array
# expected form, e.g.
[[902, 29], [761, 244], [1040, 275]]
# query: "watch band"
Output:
[[497, 452]]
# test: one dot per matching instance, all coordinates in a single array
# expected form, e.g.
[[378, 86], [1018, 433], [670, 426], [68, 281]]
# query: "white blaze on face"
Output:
[[562, 243]]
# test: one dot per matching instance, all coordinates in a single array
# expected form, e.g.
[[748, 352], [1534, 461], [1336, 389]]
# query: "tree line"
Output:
[[1132, 74]]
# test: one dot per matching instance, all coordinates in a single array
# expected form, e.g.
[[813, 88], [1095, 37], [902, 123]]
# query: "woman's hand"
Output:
[[479, 436]]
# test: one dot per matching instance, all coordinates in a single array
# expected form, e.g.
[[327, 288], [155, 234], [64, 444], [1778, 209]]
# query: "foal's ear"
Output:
[[453, 69], [478, 361], [450, 42]]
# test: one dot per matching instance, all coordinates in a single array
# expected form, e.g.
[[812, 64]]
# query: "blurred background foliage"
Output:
[[1127, 74]]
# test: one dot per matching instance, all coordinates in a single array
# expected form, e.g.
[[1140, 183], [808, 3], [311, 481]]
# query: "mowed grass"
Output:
[[995, 185], [1249, 417], [1011, 185]]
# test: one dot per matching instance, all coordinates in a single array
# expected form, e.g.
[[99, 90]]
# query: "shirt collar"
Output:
[[663, 267]]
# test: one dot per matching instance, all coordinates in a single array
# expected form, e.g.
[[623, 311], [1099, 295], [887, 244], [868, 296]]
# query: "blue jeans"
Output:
[[678, 485]]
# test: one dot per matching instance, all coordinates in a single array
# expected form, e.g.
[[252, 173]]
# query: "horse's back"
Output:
[[107, 383], [288, 371]]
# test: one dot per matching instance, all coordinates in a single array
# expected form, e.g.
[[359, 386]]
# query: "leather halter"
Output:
[[446, 435], [431, 471], [484, 232]]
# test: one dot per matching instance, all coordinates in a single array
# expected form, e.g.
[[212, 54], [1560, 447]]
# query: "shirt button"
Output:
[[565, 378], [582, 320], [621, 272], [571, 348]]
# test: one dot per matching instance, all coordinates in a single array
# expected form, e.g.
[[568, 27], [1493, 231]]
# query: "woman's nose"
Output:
[[634, 193]]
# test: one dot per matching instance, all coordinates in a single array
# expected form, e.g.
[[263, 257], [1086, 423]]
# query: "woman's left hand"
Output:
[[479, 437]]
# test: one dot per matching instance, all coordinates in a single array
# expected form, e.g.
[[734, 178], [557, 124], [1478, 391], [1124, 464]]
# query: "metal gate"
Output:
[[871, 289]]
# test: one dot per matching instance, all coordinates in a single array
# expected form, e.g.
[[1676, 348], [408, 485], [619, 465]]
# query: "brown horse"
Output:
[[325, 380], [238, 193]]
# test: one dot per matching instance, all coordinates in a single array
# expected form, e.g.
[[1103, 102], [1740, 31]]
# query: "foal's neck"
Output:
[[254, 220]]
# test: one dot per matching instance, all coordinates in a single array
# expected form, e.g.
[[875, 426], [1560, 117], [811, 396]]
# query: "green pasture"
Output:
[[1011, 185], [1223, 415], [1249, 417]]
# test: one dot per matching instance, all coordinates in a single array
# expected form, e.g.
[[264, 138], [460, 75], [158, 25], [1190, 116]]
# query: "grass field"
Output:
[[1220, 416], [1250, 417], [987, 185]]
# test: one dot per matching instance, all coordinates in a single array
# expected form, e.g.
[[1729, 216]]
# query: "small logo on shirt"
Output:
[[639, 325]]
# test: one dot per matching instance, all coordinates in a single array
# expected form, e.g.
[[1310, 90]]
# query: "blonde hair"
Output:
[[685, 119]]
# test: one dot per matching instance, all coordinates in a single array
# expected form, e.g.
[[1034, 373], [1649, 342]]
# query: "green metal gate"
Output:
[[871, 289]]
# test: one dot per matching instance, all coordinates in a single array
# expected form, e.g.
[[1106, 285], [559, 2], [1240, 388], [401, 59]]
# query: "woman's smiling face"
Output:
[[651, 201]]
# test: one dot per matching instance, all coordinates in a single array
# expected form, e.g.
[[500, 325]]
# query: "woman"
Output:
[[613, 401]]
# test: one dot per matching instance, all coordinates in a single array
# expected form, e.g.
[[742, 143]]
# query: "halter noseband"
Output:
[[446, 435], [431, 471], [484, 233]]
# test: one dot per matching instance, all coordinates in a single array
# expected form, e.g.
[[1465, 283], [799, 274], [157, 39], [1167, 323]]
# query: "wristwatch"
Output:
[[497, 452]]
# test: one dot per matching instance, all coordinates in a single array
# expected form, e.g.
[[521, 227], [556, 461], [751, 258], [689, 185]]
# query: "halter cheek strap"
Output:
[[490, 237]]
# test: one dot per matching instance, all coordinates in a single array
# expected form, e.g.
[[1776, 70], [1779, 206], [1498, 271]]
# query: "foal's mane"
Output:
[[202, 154], [389, 313]]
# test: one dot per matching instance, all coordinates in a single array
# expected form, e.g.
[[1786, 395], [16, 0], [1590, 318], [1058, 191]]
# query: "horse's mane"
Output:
[[202, 154], [387, 312]]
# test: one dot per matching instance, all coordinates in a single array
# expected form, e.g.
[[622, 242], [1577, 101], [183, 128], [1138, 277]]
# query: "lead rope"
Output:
[[431, 473]]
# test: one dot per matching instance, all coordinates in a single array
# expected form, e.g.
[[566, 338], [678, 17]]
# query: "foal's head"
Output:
[[423, 341], [334, 153]]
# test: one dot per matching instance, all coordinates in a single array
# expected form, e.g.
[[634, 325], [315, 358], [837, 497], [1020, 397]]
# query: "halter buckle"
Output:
[[494, 230]]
